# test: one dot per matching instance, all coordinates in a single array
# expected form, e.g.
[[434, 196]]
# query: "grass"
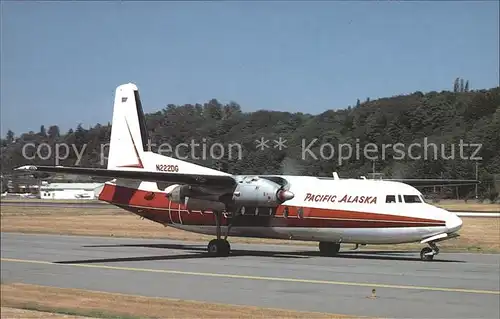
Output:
[[28, 313], [38, 200], [477, 235], [42, 311], [470, 206], [449, 204], [96, 304]]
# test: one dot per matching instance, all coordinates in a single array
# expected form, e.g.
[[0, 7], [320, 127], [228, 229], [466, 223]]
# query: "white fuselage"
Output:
[[338, 210]]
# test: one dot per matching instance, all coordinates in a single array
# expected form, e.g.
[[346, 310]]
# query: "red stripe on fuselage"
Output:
[[155, 206]]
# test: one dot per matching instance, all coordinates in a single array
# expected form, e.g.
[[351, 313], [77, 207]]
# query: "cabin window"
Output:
[[285, 212], [300, 212], [412, 199], [390, 199], [400, 200]]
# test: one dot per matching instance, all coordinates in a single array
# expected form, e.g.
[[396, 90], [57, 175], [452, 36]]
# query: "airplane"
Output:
[[195, 198]]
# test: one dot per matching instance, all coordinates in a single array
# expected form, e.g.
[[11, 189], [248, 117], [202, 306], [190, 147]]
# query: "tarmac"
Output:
[[278, 276]]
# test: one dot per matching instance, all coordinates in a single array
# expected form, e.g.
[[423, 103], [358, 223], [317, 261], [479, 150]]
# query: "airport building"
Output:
[[69, 190]]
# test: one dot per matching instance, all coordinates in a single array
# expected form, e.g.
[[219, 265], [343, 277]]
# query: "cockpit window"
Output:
[[412, 199], [390, 199]]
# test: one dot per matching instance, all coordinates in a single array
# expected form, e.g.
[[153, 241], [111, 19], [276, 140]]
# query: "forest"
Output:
[[453, 132]]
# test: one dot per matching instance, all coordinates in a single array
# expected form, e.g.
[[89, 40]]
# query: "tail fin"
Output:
[[128, 147], [129, 138]]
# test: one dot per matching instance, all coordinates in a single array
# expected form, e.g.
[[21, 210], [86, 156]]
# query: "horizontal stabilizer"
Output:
[[216, 181]]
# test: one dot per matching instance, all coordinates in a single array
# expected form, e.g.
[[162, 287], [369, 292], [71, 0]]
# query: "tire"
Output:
[[218, 247], [423, 253], [329, 249]]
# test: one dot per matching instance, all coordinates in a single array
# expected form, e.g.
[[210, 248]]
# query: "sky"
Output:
[[62, 61]]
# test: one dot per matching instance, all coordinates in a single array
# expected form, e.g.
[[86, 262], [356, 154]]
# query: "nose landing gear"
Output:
[[428, 253]]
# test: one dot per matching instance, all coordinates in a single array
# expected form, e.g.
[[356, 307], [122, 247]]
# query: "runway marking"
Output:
[[282, 279]]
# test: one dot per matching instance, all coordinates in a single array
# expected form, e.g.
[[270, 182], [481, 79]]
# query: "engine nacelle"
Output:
[[260, 192], [250, 192], [193, 199], [202, 204], [170, 188], [177, 193]]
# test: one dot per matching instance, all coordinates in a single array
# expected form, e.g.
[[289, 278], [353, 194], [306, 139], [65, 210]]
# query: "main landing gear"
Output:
[[219, 247], [328, 249], [428, 253]]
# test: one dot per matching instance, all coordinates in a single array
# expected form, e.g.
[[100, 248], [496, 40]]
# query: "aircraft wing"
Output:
[[215, 181], [434, 182]]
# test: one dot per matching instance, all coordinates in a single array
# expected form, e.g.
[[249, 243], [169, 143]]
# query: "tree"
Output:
[[80, 135], [444, 118], [53, 132], [462, 87], [467, 86], [231, 109], [10, 137], [43, 132], [214, 109], [456, 86]]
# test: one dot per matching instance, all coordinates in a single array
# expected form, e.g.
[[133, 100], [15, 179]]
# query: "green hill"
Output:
[[444, 118]]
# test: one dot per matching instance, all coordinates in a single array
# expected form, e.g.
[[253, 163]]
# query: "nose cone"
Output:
[[453, 223]]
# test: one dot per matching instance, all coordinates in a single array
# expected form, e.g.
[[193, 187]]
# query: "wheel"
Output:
[[426, 254], [328, 248], [227, 246], [219, 247]]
